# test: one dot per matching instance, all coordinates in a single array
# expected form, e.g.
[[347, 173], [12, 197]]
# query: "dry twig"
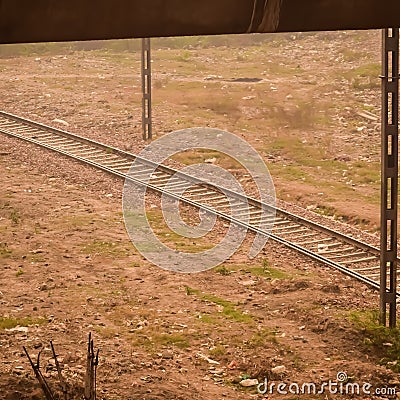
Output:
[[42, 381], [60, 377], [92, 361]]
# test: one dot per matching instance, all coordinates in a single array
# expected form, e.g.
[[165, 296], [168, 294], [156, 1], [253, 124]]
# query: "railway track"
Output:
[[346, 254]]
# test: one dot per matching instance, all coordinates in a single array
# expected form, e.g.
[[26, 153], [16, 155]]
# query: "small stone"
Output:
[[61, 121], [218, 371], [249, 382], [232, 365], [22, 329], [343, 157], [249, 282], [167, 355], [205, 358], [280, 369]]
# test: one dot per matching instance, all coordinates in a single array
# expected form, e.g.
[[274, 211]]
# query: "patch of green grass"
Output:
[[10, 322], [362, 172], [225, 107], [303, 115], [184, 56], [217, 351], [291, 172], [368, 70], [170, 238], [173, 339], [306, 154], [198, 156], [325, 210], [15, 216], [365, 76], [351, 55], [222, 270], [98, 247], [105, 332], [266, 271], [37, 229], [134, 264], [261, 338], [384, 341], [154, 341], [229, 309], [36, 258], [190, 291], [4, 250], [208, 319], [77, 221], [19, 272]]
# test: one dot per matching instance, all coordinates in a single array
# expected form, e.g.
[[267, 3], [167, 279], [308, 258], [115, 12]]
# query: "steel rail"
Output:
[[67, 143]]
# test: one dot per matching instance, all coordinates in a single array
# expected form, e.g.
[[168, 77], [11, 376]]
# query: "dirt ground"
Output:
[[69, 268]]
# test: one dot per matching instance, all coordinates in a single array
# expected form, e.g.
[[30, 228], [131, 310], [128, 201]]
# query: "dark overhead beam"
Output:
[[57, 20], [317, 15]]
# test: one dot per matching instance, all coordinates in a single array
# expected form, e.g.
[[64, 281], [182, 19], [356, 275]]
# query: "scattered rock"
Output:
[[250, 282], [368, 115], [343, 157], [280, 369], [167, 355], [249, 382], [23, 329], [212, 77], [246, 80], [218, 371], [232, 365], [205, 358], [61, 121], [331, 289]]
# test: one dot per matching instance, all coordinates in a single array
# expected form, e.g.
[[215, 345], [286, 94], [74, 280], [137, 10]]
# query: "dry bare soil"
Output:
[[309, 104]]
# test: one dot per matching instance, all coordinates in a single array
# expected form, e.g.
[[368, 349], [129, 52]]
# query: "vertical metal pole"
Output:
[[389, 175], [146, 90]]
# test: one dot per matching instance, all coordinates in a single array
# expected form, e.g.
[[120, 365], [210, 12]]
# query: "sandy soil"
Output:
[[68, 268]]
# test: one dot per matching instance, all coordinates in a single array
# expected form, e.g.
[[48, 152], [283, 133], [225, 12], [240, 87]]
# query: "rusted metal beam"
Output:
[[389, 175], [147, 124], [55, 20]]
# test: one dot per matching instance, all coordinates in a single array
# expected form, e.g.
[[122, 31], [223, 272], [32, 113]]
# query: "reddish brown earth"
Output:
[[69, 268]]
